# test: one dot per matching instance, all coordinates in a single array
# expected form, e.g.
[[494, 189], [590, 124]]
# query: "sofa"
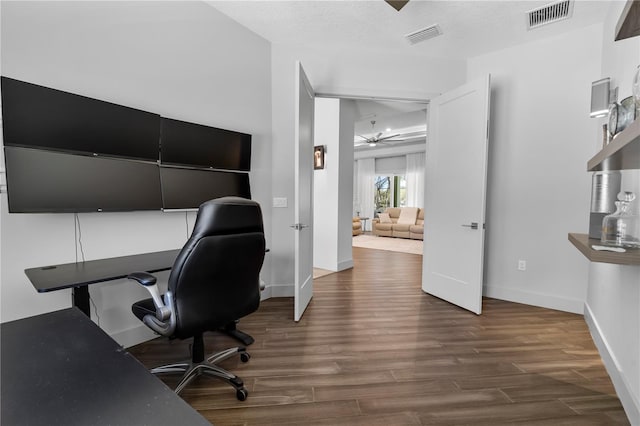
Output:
[[400, 222], [357, 226]]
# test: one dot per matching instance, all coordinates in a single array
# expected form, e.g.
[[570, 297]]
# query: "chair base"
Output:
[[191, 369], [232, 331]]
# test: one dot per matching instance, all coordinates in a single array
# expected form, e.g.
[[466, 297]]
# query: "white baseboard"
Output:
[[279, 290], [134, 336], [630, 403], [574, 306], [345, 264]]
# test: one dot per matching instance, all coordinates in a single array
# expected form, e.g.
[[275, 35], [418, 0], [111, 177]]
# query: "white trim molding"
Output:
[[542, 300], [630, 403]]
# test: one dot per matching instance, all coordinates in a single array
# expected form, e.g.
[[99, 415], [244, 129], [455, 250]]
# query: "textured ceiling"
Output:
[[470, 28]]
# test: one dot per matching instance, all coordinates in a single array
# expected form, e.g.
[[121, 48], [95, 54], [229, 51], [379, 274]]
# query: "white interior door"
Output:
[[455, 192], [303, 193]]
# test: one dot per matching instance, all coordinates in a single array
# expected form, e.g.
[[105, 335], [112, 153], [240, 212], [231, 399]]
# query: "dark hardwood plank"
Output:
[[373, 349]]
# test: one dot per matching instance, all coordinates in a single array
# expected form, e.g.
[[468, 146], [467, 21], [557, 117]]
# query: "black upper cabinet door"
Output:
[[39, 117], [195, 145]]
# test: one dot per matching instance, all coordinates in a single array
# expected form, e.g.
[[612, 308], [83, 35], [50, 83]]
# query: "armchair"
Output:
[[356, 226], [214, 281]]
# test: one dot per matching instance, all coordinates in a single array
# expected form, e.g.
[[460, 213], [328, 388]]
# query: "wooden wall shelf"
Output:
[[622, 153], [584, 243]]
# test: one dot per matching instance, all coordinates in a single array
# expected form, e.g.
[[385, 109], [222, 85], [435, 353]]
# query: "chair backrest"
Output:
[[216, 276]]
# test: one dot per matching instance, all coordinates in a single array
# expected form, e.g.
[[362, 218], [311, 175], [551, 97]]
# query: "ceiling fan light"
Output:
[[372, 144]]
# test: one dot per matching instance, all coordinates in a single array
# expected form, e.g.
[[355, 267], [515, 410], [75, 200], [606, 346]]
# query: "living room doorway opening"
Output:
[[399, 130]]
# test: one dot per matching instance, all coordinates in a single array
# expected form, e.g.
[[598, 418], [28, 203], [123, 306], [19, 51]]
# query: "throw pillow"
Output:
[[384, 218]]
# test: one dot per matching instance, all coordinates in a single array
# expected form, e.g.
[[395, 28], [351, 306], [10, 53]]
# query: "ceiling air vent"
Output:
[[424, 34], [552, 12]]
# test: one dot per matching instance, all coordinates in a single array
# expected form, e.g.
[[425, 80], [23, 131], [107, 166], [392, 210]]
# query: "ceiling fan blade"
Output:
[[397, 4], [388, 137]]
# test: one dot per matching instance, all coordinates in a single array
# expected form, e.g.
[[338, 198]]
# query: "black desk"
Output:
[[79, 275], [61, 369]]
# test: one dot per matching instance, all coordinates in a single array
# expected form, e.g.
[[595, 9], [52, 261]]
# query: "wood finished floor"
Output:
[[373, 349]]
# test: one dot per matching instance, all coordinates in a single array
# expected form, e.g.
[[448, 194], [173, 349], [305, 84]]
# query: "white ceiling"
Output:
[[470, 28]]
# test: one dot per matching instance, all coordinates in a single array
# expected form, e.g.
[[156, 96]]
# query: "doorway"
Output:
[[400, 128]]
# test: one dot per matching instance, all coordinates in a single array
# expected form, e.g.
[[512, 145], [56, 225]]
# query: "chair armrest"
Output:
[[164, 321], [148, 281]]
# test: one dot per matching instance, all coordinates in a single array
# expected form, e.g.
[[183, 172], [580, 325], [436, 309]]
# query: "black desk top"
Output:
[[57, 277], [61, 369]]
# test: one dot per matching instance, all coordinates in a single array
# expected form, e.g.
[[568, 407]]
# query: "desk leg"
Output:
[[81, 299]]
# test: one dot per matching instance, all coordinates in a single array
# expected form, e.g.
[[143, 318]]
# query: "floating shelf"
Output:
[[622, 153], [584, 243]]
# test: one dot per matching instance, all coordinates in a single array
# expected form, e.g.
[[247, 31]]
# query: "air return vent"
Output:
[[552, 12], [424, 34]]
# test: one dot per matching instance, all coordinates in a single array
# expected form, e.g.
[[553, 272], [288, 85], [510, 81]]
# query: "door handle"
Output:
[[474, 225], [298, 226]]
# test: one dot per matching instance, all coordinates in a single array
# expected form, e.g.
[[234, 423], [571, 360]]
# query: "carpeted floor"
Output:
[[403, 245]]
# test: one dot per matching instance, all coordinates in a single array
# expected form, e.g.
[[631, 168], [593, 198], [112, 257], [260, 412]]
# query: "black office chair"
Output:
[[214, 281]]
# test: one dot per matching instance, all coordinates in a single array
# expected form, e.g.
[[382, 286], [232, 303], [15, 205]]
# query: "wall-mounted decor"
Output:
[[318, 157], [600, 97]]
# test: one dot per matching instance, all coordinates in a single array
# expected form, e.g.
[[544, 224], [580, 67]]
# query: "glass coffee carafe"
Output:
[[622, 228]]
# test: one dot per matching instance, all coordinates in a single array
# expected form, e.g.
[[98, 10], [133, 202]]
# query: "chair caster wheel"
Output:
[[242, 394], [245, 357]]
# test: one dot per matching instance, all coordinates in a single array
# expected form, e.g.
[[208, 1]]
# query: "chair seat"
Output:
[[143, 307]]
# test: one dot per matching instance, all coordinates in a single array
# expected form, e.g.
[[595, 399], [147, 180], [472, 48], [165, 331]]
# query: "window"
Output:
[[390, 191]]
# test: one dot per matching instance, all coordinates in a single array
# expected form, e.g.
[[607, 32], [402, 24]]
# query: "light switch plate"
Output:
[[280, 202]]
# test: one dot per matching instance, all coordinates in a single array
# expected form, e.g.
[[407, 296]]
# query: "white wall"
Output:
[[342, 72], [183, 60], [612, 308], [538, 190], [325, 185], [333, 186], [345, 184]]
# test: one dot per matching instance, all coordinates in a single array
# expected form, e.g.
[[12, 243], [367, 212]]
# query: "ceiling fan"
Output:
[[397, 4], [377, 138]]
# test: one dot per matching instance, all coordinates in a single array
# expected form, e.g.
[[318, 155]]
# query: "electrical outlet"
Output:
[[522, 265]]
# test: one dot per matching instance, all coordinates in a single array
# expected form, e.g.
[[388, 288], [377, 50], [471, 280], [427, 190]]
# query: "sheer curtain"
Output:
[[365, 192], [415, 179]]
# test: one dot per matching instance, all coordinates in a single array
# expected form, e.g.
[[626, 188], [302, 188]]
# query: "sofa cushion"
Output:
[[394, 213], [408, 216], [384, 218], [384, 226], [401, 227], [416, 229]]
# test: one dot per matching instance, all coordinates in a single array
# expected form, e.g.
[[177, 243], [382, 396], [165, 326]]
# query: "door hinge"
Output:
[[298, 226]]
